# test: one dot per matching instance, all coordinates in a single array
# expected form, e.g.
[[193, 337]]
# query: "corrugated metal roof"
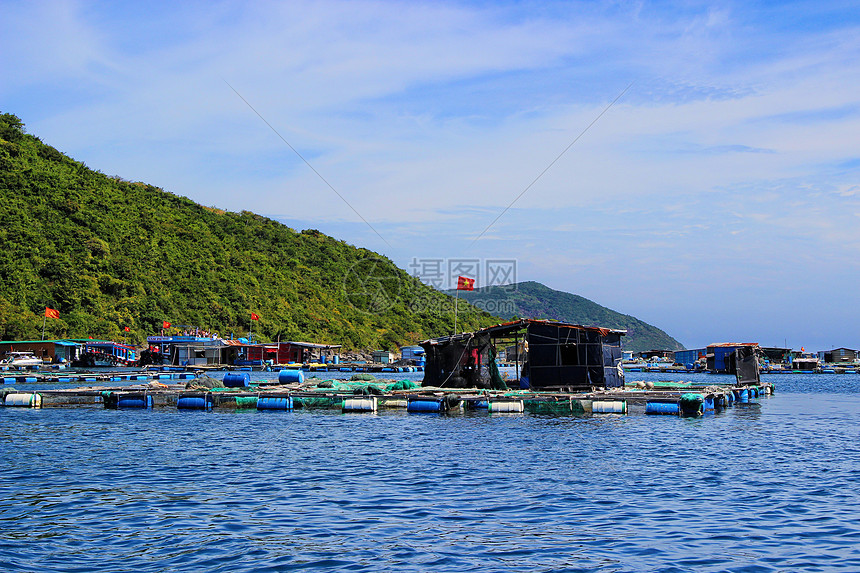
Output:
[[312, 344], [236, 343], [60, 342], [514, 325]]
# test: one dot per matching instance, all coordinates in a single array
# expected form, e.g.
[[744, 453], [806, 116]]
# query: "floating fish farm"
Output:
[[292, 392]]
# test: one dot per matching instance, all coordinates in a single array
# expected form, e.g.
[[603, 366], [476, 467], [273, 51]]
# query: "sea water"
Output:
[[769, 486]]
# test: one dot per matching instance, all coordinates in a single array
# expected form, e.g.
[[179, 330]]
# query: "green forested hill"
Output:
[[534, 300], [108, 253]]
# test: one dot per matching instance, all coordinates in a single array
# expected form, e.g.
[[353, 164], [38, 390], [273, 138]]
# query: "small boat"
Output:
[[21, 359]]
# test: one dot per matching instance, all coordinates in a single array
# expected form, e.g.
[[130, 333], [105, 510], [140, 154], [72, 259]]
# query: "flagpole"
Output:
[[250, 327], [44, 320], [456, 305]]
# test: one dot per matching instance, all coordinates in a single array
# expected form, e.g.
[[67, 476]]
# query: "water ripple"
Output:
[[768, 488]]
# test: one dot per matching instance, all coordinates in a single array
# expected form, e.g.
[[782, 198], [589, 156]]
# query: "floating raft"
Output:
[[78, 377], [686, 402], [307, 366]]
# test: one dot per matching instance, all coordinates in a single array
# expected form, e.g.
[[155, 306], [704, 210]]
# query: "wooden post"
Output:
[[517, 354]]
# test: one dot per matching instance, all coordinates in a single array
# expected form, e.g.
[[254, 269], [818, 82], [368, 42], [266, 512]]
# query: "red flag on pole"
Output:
[[126, 329], [165, 324], [255, 316], [465, 283], [51, 313]]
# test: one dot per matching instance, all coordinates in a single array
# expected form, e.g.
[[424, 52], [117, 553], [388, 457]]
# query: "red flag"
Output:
[[126, 329], [464, 283], [255, 316], [51, 313], [165, 324]]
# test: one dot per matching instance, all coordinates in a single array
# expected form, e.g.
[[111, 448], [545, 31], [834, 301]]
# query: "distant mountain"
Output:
[[534, 300]]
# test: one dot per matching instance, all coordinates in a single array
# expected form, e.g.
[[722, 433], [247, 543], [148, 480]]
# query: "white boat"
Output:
[[17, 359]]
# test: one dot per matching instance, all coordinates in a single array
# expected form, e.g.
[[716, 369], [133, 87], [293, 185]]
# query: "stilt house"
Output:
[[555, 355]]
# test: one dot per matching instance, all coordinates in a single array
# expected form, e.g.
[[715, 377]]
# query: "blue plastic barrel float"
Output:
[[663, 407], [476, 404], [708, 404], [134, 401], [742, 395], [237, 379], [203, 402], [275, 403], [290, 376], [424, 404]]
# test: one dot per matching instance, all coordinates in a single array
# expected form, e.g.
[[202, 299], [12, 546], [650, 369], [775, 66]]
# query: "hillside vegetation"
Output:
[[110, 254], [534, 300]]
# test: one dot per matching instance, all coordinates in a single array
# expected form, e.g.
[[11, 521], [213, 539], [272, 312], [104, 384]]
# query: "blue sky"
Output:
[[718, 199]]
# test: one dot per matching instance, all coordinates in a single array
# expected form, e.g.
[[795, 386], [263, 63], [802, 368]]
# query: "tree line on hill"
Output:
[[110, 254]]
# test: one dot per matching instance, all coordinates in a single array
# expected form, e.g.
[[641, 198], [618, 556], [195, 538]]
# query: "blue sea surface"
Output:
[[773, 486]]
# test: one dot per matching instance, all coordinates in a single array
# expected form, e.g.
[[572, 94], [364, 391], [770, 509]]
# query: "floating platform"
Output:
[[87, 376], [678, 370], [685, 402], [307, 367]]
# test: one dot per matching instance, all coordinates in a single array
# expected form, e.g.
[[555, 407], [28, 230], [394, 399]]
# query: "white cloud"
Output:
[[430, 118]]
